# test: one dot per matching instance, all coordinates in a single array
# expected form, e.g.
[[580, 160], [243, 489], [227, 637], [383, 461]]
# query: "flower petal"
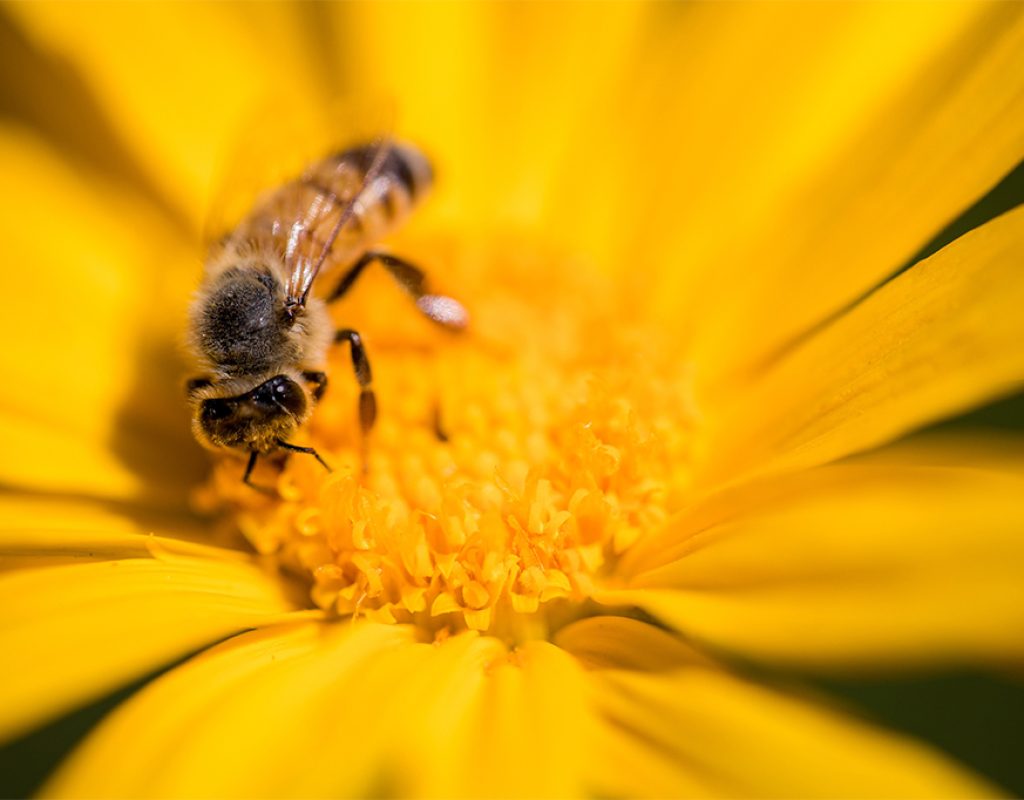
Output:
[[696, 730], [938, 339], [847, 566], [70, 633], [745, 741], [247, 718], [42, 531], [93, 400], [175, 79], [530, 732], [624, 643], [503, 120], [343, 709], [842, 208]]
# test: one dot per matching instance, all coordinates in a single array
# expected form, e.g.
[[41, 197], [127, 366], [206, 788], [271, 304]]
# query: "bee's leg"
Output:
[[319, 381], [364, 377], [439, 431], [308, 450], [194, 384], [247, 477], [350, 277], [438, 308]]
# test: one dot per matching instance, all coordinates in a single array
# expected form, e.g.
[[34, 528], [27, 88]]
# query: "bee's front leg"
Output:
[[294, 448], [247, 477], [195, 384], [318, 380]]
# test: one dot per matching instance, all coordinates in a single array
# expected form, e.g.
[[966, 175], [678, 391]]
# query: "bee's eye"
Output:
[[281, 393], [290, 396], [215, 409]]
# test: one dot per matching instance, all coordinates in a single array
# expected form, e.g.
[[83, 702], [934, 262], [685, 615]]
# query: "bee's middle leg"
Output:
[[443, 310], [364, 377]]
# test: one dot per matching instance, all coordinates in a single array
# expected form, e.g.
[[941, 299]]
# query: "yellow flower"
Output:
[[665, 444]]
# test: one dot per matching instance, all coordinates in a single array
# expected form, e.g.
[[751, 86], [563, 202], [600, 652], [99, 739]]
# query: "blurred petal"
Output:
[[623, 760], [329, 703], [975, 448], [855, 189], [745, 741], [849, 566], [624, 643], [43, 530], [342, 709], [631, 131], [938, 339], [98, 285], [71, 633], [683, 729], [243, 719], [530, 733], [59, 108], [499, 118], [176, 78]]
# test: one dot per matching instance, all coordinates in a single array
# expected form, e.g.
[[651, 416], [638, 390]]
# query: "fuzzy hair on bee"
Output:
[[239, 325]]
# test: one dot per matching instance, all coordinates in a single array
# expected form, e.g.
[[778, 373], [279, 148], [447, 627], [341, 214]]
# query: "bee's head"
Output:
[[256, 420]]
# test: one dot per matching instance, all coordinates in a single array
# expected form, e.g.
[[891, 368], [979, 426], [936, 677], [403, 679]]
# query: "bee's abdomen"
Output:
[[317, 200], [402, 166], [402, 178]]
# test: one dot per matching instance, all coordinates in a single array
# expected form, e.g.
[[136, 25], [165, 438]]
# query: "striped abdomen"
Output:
[[300, 216]]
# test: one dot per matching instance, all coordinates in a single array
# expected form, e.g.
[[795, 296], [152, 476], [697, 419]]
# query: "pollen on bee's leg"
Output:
[[565, 435]]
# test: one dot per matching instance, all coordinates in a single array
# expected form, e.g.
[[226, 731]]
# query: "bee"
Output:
[[259, 326]]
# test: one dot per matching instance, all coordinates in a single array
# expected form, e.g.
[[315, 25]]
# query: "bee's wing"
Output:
[[277, 143], [336, 193]]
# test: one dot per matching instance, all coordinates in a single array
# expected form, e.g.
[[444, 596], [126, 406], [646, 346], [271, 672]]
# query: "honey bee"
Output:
[[259, 326]]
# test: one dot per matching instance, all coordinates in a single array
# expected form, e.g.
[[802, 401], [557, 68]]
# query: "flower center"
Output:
[[510, 464]]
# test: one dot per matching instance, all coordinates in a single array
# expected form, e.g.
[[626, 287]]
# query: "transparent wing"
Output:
[[336, 187], [265, 184]]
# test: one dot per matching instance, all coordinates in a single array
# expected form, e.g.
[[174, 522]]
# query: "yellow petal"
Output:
[[309, 710], [936, 340], [509, 126], [673, 726], [734, 739], [344, 710], [41, 531], [881, 154], [623, 643], [530, 734], [977, 448], [249, 717], [176, 79], [847, 566], [70, 633], [93, 399]]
